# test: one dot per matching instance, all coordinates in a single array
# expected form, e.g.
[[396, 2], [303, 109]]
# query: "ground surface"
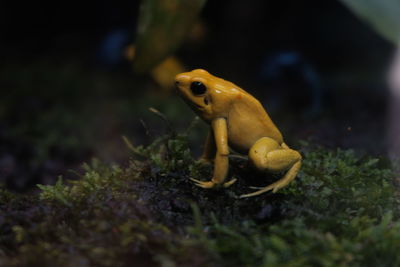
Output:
[[342, 210]]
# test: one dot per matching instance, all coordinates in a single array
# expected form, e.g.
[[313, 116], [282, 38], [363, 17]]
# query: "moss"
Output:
[[341, 210]]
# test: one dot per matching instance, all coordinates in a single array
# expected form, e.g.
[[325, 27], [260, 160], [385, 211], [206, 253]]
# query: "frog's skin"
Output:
[[237, 120]]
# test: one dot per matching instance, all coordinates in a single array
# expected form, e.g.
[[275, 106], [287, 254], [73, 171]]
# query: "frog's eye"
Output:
[[198, 88]]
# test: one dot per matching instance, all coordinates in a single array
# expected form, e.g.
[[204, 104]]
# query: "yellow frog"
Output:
[[238, 121]]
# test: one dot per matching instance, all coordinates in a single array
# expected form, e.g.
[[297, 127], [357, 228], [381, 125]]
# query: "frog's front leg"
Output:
[[209, 148], [221, 162], [267, 155]]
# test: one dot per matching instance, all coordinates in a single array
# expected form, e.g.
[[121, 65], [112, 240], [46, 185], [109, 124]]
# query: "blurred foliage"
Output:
[[162, 26], [54, 115], [341, 210], [383, 15]]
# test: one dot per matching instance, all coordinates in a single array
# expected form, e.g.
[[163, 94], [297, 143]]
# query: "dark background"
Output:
[[65, 98]]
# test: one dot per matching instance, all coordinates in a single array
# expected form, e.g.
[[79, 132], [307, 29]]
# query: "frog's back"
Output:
[[248, 122]]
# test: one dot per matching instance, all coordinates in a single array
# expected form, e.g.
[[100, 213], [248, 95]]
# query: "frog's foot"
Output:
[[209, 184], [289, 176], [275, 187]]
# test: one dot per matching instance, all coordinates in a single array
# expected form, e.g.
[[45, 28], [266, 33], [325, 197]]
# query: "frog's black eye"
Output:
[[198, 88]]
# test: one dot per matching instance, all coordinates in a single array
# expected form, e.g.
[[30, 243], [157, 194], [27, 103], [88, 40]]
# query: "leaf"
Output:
[[162, 27], [383, 15]]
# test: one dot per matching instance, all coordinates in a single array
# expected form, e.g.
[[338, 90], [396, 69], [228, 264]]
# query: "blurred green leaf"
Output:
[[162, 26], [383, 15]]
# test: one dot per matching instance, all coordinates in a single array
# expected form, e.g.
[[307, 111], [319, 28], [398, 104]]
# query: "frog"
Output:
[[238, 122]]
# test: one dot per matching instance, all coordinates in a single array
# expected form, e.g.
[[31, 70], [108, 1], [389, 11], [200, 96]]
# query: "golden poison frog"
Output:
[[237, 120]]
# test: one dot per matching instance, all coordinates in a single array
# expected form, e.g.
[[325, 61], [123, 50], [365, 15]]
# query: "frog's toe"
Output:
[[256, 187], [202, 184], [231, 182], [195, 180], [206, 185], [259, 192], [278, 186]]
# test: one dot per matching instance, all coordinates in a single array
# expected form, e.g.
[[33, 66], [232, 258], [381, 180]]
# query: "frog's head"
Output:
[[207, 95]]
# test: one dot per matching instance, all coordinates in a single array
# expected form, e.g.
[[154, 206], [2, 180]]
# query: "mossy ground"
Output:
[[342, 210]]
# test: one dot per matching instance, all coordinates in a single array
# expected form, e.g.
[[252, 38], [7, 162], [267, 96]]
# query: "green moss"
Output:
[[341, 210]]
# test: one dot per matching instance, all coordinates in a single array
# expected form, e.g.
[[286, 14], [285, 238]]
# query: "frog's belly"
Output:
[[242, 142], [242, 138]]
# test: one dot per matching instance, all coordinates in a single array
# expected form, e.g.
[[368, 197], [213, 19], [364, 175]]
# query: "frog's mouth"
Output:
[[195, 105]]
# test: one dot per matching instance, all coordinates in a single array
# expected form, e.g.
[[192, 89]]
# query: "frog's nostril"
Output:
[[181, 79]]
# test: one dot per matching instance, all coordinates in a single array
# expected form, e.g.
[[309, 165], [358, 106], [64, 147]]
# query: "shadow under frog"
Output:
[[239, 121]]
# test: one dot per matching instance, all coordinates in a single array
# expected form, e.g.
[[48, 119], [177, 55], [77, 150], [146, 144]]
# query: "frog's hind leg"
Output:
[[267, 155]]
